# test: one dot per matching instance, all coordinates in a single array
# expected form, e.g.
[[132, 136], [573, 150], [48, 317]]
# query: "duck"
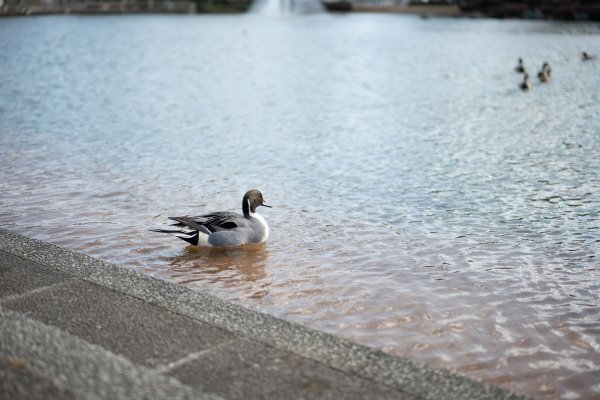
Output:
[[525, 85], [224, 228], [546, 73], [520, 68], [588, 57]]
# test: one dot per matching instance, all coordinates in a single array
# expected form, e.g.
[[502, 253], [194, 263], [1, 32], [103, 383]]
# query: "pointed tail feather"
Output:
[[173, 231], [192, 237], [193, 240]]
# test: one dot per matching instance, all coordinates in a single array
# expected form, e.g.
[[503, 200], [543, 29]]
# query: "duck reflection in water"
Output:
[[237, 267]]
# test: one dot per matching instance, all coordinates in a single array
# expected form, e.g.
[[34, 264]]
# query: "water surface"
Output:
[[423, 204]]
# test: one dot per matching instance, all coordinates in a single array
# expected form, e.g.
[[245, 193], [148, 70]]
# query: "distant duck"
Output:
[[520, 68], [588, 57], [546, 73], [525, 85]]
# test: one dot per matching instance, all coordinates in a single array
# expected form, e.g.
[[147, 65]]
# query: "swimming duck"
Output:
[[546, 73], [520, 68], [588, 57], [525, 85], [223, 228]]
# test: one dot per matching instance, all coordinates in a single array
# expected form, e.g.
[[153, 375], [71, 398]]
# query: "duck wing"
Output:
[[213, 222]]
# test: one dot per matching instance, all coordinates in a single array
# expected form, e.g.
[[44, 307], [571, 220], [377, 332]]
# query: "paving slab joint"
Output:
[[191, 357]]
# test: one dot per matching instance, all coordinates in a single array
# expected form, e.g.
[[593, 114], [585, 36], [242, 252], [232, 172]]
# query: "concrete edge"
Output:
[[397, 372], [75, 365]]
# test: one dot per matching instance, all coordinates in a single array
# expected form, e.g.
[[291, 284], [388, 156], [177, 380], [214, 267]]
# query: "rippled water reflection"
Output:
[[424, 204]]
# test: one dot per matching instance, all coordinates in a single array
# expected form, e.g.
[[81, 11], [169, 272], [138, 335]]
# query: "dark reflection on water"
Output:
[[423, 203]]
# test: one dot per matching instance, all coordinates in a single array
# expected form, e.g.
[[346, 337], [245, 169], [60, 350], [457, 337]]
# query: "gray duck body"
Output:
[[223, 228]]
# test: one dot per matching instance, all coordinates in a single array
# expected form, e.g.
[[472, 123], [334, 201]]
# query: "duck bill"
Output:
[[266, 205]]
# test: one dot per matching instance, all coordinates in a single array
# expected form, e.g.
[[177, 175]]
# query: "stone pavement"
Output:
[[73, 327]]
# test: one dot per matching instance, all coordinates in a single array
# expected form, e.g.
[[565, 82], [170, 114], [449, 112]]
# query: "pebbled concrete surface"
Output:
[[144, 333], [90, 329], [18, 381], [19, 276]]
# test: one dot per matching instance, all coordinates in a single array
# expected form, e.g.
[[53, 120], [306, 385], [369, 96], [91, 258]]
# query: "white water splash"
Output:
[[287, 7]]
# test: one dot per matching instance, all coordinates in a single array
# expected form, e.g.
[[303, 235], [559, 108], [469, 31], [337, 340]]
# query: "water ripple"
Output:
[[423, 204]]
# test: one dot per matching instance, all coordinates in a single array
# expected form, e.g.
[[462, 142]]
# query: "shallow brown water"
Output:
[[423, 204]]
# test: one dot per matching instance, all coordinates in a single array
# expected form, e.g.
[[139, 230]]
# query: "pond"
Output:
[[422, 203]]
